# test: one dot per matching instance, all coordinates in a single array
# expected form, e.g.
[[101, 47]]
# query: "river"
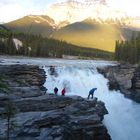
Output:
[[79, 76]]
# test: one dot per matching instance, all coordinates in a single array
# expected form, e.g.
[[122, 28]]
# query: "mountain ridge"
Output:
[[34, 24], [91, 23], [90, 33]]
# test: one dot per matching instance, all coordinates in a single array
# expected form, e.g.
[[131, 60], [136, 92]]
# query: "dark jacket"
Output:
[[55, 90], [92, 91]]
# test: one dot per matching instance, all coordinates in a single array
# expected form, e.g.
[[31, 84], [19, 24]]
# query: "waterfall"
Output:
[[79, 76], [123, 120]]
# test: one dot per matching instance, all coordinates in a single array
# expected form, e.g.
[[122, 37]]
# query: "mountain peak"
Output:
[[74, 11]]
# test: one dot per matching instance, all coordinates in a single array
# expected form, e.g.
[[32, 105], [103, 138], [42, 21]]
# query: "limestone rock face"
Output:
[[26, 92], [124, 77], [22, 80], [53, 117], [119, 76], [22, 75]]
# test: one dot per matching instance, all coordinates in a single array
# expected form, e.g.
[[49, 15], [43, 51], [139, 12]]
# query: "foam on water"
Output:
[[123, 121]]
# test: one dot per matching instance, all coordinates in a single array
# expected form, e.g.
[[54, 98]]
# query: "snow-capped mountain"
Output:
[[90, 23], [74, 11]]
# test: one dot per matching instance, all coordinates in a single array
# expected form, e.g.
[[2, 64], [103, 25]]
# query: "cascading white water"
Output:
[[79, 76], [123, 121]]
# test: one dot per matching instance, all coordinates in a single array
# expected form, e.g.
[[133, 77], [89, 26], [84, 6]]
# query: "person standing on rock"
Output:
[[63, 92], [91, 92], [55, 90]]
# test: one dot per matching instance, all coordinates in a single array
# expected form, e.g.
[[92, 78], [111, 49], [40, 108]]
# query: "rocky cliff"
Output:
[[22, 80], [124, 77], [40, 116]]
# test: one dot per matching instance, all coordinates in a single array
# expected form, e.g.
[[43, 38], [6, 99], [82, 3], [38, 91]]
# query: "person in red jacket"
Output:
[[63, 92]]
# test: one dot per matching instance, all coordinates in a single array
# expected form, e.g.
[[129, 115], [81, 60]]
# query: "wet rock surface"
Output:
[[41, 116], [124, 77]]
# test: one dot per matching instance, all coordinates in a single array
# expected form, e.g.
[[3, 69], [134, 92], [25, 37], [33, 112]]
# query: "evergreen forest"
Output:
[[38, 46]]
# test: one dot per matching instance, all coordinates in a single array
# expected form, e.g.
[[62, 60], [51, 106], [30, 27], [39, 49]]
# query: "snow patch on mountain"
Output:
[[98, 10], [37, 21], [74, 11], [40, 19]]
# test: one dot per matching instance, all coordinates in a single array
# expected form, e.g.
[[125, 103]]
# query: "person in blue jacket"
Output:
[[91, 92]]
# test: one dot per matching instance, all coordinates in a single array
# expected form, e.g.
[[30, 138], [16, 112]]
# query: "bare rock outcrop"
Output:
[[53, 117], [124, 77], [22, 80]]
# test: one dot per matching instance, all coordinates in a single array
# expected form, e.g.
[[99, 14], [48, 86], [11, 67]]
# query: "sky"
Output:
[[14, 9]]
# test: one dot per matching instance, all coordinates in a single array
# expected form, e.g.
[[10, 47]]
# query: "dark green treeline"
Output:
[[38, 46], [128, 51]]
